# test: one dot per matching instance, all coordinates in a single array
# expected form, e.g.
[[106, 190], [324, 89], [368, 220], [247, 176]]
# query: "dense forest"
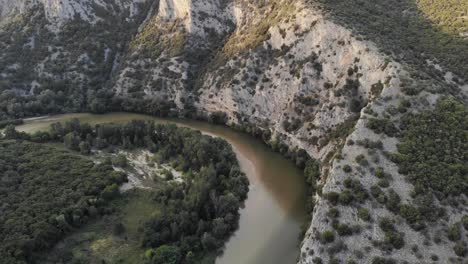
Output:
[[45, 193], [198, 215]]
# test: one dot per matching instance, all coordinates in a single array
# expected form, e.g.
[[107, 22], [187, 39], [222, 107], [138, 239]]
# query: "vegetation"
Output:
[[77, 62], [252, 37], [432, 152], [46, 192], [98, 241], [409, 30], [198, 215]]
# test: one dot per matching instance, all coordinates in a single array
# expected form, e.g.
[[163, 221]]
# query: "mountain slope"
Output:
[[343, 80]]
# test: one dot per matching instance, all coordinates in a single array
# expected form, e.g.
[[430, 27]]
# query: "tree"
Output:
[[110, 192], [72, 141], [164, 255], [10, 132], [119, 229], [120, 161], [85, 148]]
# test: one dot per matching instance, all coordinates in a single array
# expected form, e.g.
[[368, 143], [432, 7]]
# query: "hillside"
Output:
[[368, 88]]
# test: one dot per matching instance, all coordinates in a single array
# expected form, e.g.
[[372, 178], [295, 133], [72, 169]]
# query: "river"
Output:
[[270, 223]]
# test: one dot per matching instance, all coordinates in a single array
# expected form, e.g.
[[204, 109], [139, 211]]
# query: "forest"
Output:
[[45, 193], [198, 215]]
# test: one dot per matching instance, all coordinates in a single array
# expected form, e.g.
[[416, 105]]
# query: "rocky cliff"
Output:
[[282, 66]]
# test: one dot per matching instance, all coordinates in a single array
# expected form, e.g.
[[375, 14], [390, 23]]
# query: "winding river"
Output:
[[270, 223]]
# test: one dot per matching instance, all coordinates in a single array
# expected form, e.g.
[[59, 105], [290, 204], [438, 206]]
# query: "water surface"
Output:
[[270, 223]]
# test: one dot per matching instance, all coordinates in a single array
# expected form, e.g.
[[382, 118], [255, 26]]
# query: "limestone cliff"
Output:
[[314, 84], [282, 66]]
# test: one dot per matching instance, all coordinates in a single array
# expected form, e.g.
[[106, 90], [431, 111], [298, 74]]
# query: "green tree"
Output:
[[72, 141], [110, 192], [164, 255], [120, 161], [85, 148]]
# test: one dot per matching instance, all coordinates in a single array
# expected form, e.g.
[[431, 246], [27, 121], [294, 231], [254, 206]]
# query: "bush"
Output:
[[347, 168], [333, 213], [332, 197], [363, 213], [465, 222], [460, 249], [454, 233], [164, 255], [410, 213], [317, 260], [380, 126], [386, 224], [110, 192], [380, 260], [327, 236], [219, 118], [344, 230], [395, 239], [393, 201], [384, 183], [361, 160], [120, 161], [345, 197]]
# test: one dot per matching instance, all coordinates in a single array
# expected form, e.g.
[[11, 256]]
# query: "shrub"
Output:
[[332, 197], [317, 260], [361, 160], [120, 161], [454, 233], [344, 230], [393, 201], [347, 168], [465, 221], [345, 197], [395, 239], [363, 213], [386, 224], [327, 236], [164, 255], [383, 183], [460, 249], [378, 194], [380, 126], [110, 192], [380, 260], [376, 89], [333, 213], [410, 213], [219, 118]]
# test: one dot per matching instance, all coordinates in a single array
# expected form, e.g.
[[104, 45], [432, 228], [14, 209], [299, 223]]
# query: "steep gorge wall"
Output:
[[59, 11], [279, 66], [283, 67]]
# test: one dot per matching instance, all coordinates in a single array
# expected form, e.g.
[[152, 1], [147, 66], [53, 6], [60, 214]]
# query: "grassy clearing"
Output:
[[99, 241]]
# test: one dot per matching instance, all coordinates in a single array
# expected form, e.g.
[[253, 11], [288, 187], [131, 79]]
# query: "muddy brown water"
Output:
[[270, 223]]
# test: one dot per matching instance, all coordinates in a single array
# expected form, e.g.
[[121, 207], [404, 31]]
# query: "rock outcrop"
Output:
[[280, 66]]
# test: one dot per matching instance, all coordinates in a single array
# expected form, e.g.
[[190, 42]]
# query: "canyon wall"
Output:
[[281, 66]]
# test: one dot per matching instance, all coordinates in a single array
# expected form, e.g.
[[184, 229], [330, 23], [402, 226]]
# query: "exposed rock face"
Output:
[[59, 11], [11, 7], [65, 43], [313, 85], [279, 66]]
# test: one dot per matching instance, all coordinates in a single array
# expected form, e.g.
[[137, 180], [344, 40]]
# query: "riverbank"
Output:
[[270, 224]]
